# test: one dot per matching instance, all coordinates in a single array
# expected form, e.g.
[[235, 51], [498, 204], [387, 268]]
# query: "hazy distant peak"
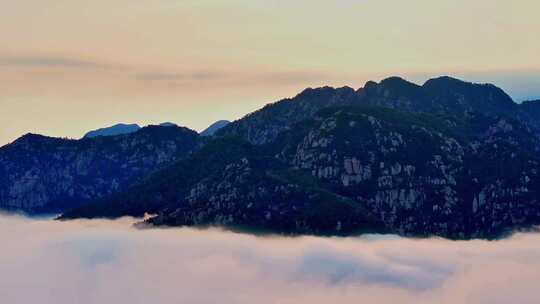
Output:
[[113, 130], [213, 128], [168, 124]]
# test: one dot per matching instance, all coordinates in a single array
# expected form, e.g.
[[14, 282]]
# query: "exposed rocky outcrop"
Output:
[[246, 193], [419, 178]]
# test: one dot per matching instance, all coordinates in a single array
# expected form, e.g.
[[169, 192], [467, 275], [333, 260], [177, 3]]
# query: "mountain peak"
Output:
[[397, 81], [29, 137], [213, 128], [309, 92], [444, 80], [168, 124], [391, 87], [451, 83], [117, 129], [399, 85]]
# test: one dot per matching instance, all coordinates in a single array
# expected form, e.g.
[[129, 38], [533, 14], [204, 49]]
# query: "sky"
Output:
[[69, 66], [102, 261]]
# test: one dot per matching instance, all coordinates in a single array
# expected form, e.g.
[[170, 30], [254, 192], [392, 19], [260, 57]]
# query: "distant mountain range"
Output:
[[117, 129], [120, 129], [447, 158]]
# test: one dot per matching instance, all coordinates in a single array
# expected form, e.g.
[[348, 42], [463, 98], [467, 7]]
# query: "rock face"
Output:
[[447, 158], [421, 179], [117, 129], [43, 174], [247, 194], [409, 171], [238, 186]]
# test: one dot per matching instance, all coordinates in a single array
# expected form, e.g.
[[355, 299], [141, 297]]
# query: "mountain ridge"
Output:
[[447, 158], [421, 160], [442, 94], [116, 129], [214, 127], [48, 174]]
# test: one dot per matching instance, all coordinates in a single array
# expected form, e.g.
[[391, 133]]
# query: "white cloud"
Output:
[[111, 262]]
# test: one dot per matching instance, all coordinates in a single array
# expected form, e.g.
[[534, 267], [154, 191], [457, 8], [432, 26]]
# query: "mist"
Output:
[[103, 261]]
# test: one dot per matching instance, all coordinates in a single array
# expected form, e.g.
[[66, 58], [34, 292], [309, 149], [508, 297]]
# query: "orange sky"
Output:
[[68, 66]]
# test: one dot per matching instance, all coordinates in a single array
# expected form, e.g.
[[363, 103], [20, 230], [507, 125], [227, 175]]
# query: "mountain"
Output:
[[113, 130], [213, 128], [532, 108], [228, 162], [264, 125], [444, 95], [45, 174], [168, 124], [447, 158]]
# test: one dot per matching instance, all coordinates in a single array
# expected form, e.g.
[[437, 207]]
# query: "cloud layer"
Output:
[[38, 61], [111, 262]]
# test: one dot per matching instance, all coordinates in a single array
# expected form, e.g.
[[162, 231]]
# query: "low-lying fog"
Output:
[[43, 261]]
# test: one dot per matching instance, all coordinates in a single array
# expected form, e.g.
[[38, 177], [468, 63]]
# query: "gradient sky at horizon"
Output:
[[69, 66]]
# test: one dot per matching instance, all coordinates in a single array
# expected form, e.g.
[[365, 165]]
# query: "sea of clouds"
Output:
[[45, 261]]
